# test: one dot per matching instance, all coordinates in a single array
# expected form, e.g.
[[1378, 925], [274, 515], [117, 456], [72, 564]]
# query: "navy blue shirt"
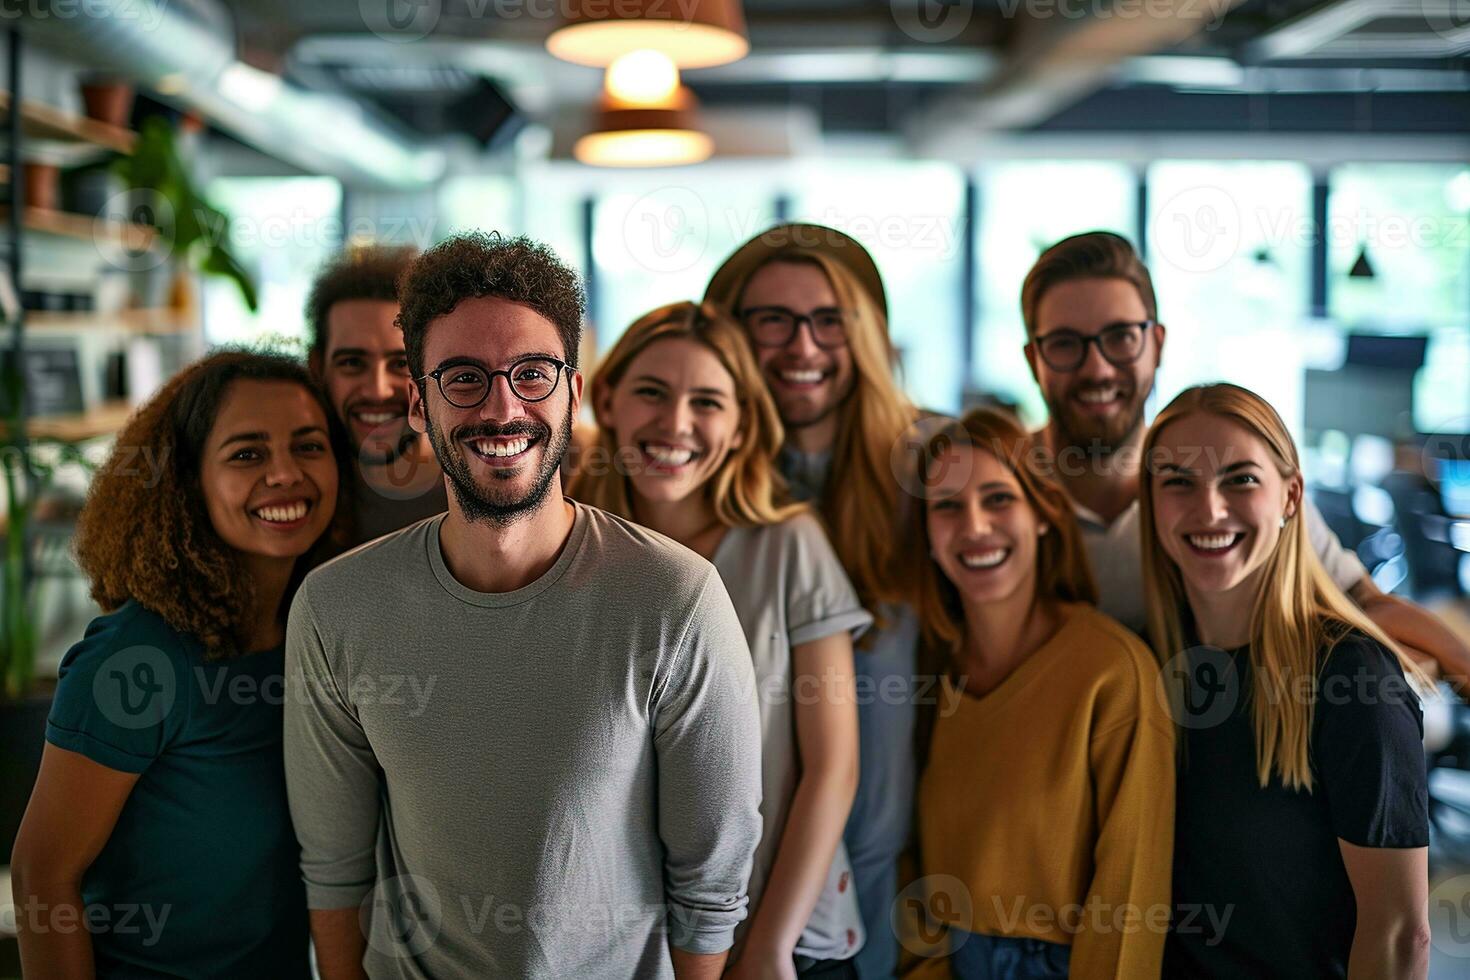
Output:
[[1260, 888], [200, 877]]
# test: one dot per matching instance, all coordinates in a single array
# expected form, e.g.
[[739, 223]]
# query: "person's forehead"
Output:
[[965, 465], [788, 283], [265, 406], [1205, 443], [365, 324], [680, 360], [1089, 304], [493, 330]]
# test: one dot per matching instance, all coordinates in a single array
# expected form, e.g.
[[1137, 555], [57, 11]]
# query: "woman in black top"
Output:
[[1301, 827]]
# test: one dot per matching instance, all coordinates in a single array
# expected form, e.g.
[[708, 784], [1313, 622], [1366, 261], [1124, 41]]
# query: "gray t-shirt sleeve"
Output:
[[820, 599], [1341, 564], [332, 776], [707, 739]]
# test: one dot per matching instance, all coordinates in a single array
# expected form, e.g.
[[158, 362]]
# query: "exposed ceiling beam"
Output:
[[1057, 59], [1343, 29]]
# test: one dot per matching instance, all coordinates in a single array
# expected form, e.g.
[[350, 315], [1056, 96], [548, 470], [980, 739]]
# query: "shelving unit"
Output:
[[67, 225], [104, 420], [25, 230], [44, 122], [128, 321]]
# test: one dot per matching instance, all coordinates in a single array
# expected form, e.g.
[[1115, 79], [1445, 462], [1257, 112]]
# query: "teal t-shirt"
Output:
[[201, 876]]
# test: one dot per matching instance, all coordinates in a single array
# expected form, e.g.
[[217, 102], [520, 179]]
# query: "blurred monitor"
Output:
[[1387, 352], [1360, 401], [1454, 485]]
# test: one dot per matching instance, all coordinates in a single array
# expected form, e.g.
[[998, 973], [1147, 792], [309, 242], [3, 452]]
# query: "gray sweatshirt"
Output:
[[566, 777]]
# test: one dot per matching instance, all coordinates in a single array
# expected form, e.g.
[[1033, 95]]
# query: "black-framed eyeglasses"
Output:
[[531, 379], [1119, 344], [776, 326]]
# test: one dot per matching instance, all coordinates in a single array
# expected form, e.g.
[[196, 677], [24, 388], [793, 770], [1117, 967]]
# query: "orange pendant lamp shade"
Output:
[[693, 33], [645, 118]]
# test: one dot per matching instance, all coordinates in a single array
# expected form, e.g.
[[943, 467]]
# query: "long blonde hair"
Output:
[[1298, 613], [746, 490], [861, 503]]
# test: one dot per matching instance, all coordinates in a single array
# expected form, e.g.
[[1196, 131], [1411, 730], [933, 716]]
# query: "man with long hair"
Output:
[[1094, 343], [355, 352], [541, 717], [812, 304]]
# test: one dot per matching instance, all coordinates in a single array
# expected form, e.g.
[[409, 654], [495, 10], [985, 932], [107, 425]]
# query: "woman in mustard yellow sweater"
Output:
[[1046, 807]]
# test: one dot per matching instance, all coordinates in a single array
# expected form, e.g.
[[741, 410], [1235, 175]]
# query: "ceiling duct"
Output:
[[185, 50]]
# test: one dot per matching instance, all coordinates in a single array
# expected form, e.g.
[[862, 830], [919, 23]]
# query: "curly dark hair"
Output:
[[144, 533], [476, 264], [367, 272]]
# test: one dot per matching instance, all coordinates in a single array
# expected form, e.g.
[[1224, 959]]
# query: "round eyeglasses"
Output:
[[1119, 343], [531, 379], [776, 326]]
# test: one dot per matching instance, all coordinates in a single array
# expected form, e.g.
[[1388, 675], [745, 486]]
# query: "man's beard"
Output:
[[1099, 437], [832, 408], [500, 510]]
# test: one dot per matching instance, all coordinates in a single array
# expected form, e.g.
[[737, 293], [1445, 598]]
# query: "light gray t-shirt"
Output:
[[788, 589], [567, 775], [1115, 551]]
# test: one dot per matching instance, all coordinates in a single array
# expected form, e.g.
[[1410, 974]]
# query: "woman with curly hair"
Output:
[[687, 444], [157, 841]]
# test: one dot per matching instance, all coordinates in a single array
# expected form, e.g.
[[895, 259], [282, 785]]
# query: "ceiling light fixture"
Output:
[[693, 34], [645, 118]]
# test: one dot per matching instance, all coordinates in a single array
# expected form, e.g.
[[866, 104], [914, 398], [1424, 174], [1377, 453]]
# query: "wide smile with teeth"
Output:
[[984, 559], [376, 418], [672, 456], [283, 513], [1100, 396], [1213, 542], [795, 377], [500, 449]]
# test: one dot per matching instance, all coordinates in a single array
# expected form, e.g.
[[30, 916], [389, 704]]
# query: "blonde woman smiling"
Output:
[[687, 440], [1302, 807], [1047, 798]]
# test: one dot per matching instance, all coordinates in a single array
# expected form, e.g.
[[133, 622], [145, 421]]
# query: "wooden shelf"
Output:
[[45, 122], [133, 321], [68, 225], [104, 420]]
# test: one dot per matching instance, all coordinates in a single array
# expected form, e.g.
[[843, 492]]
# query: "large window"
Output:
[[911, 218], [1409, 225], [1229, 248], [282, 229], [1024, 207], [658, 237]]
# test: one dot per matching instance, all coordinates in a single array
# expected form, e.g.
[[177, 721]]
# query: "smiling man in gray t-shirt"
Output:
[[522, 737]]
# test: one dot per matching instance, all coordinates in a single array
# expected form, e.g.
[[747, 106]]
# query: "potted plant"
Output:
[[163, 194]]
